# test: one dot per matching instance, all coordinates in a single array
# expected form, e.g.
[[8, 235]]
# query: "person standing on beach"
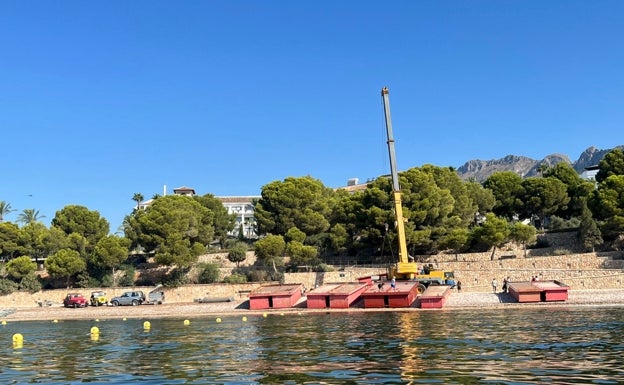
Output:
[[504, 285], [458, 286], [494, 284]]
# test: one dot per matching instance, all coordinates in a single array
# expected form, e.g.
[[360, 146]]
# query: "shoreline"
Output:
[[456, 301]]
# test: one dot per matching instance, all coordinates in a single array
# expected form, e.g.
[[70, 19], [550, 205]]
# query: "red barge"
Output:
[[538, 291], [275, 296], [335, 296], [434, 297]]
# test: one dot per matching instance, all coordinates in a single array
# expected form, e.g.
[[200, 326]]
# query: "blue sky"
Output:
[[100, 100]]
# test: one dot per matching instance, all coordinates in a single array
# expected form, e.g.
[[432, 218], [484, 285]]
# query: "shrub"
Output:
[[107, 280], [30, 283], [85, 280], [323, 267], [235, 278], [557, 223], [541, 243], [257, 276], [561, 251], [208, 273], [7, 286], [128, 277], [176, 278]]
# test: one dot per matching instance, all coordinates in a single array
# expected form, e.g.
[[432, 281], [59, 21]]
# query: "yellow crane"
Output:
[[404, 268]]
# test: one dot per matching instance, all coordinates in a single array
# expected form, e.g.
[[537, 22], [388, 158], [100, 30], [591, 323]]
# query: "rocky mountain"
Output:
[[480, 170]]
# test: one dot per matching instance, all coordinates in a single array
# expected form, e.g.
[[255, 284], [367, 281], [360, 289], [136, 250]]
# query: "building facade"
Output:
[[243, 208]]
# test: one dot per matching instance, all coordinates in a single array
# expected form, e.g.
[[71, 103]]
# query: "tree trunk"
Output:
[[493, 252]]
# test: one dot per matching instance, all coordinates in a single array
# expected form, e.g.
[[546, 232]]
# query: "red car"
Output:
[[75, 300]]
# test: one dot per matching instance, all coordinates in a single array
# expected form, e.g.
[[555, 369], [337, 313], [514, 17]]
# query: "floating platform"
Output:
[[379, 297], [434, 296], [538, 291], [552, 290], [275, 296], [335, 296]]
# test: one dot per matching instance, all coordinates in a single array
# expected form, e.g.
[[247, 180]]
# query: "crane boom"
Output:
[[404, 268]]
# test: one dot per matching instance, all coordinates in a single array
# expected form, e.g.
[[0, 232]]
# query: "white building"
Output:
[[589, 173], [243, 208]]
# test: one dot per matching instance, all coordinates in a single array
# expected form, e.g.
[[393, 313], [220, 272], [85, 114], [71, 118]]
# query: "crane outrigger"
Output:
[[404, 268]]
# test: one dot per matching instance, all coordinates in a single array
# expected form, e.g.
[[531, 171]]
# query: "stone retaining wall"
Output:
[[579, 271]]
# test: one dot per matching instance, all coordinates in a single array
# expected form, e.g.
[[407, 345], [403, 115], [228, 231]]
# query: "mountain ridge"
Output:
[[480, 170]]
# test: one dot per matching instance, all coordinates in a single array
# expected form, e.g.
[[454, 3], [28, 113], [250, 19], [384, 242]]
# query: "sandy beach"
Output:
[[611, 297]]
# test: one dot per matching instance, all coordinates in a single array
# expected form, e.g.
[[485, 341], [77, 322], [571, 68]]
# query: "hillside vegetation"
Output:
[[304, 224]]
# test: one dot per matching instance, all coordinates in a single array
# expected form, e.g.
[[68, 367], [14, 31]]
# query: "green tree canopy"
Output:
[[138, 198], [300, 254], [10, 246], [81, 220], [64, 264], [294, 234], [270, 250], [611, 164], [175, 228], [238, 253], [40, 242], [5, 209], [578, 188], [589, 233], [222, 222], [110, 252], [607, 204], [492, 233], [544, 197], [508, 191], [28, 216], [482, 197], [294, 202], [523, 234], [20, 267]]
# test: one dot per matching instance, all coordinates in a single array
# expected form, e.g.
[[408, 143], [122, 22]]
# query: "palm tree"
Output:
[[138, 198], [5, 208], [29, 216]]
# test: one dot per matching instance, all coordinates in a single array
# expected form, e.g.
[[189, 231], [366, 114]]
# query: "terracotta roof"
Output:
[[184, 188]]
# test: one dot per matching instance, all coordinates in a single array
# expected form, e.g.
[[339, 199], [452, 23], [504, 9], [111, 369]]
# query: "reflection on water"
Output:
[[495, 346]]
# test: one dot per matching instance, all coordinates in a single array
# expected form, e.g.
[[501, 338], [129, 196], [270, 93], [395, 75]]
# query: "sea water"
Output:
[[543, 345]]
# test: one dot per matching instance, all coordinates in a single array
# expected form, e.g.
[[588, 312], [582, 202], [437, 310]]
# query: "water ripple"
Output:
[[519, 346]]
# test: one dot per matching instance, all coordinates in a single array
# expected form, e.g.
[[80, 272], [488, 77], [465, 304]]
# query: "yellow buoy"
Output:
[[281, 313], [244, 319], [95, 330], [55, 321], [264, 314], [97, 320], [218, 319], [18, 338], [147, 325], [3, 322], [187, 322], [124, 318], [95, 337]]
